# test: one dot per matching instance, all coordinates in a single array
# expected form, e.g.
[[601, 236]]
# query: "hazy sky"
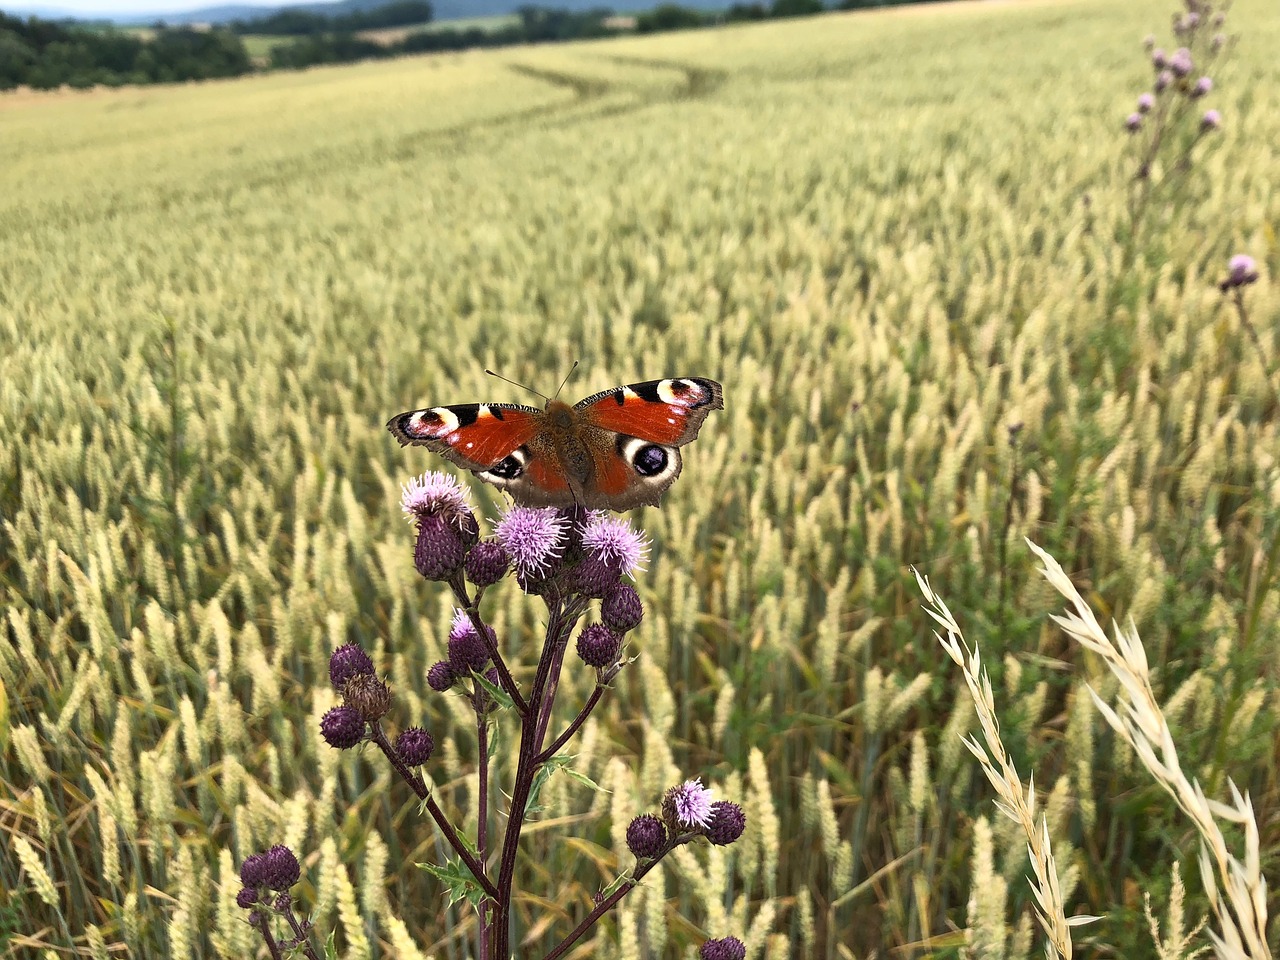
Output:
[[98, 7]]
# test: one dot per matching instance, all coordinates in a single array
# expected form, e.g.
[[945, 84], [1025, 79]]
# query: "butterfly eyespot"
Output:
[[508, 468], [650, 460]]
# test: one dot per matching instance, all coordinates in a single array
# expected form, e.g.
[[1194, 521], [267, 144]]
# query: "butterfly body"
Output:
[[615, 450]]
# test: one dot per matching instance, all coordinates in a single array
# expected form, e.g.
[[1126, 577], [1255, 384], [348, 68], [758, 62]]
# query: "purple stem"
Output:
[[265, 930], [300, 932], [420, 788], [472, 607], [482, 829], [1237, 300], [581, 718], [608, 904]]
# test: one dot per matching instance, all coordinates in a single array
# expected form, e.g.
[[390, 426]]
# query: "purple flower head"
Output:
[[1211, 120], [622, 609], [727, 823], [1203, 86], [534, 538], [1191, 20], [1133, 123], [688, 805], [1163, 80], [247, 897], [467, 650], [441, 676], [1159, 59], [1242, 270], [1145, 102], [414, 746], [341, 727], [280, 869], [1181, 63], [348, 661], [726, 948], [368, 696], [615, 541], [598, 646], [434, 494], [646, 836]]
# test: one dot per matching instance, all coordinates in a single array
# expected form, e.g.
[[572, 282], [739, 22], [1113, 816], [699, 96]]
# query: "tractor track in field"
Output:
[[590, 101]]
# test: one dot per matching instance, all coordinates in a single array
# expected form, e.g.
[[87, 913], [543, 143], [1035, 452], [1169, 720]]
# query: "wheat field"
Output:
[[897, 238]]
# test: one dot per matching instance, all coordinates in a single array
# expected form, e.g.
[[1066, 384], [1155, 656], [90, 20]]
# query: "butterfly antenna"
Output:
[[567, 376], [520, 385]]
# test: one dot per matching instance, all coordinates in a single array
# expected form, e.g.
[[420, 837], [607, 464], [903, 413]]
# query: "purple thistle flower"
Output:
[[348, 661], [727, 823], [441, 676], [1133, 123], [1145, 102], [1159, 59], [615, 541], [727, 948], [1242, 270], [467, 650], [1191, 20], [414, 746], [1203, 86], [1163, 79], [1181, 63], [534, 538], [688, 805], [646, 836], [280, 868], [434, 493], [1211, 120], [341, 727]]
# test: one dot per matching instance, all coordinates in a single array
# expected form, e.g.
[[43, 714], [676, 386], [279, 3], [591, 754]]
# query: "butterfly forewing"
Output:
[[477, 436]]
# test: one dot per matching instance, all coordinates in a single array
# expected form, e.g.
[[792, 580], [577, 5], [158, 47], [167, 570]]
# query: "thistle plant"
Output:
[[570, 559], [1242, 271], [1175, 115]]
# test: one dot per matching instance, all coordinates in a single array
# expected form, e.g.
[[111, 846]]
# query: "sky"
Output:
[[89, 8]]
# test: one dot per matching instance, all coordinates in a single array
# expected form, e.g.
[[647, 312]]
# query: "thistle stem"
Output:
[[482, 827], [416, 783]]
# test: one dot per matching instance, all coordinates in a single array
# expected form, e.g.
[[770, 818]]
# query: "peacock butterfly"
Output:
[[615, 450]]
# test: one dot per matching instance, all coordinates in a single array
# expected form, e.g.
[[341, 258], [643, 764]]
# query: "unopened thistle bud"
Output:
[[467, 650], [414, 746], [622, 609], [727, 823], [646, 837], [341, 727], [281, 870], [595, 576], [348, 661], [598, 646], [441, 676], [247, 898], [369, 696], [726, 948], [487, 563]]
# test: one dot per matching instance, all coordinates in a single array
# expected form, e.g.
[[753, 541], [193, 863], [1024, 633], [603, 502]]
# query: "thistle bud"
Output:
[[414, 746], [598, 646], [646, 837], [726, 948], [341, 727], [369, 696], [727, 823]]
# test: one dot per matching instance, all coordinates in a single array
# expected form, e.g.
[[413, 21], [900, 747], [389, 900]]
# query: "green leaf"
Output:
[[497, 693], [457, 880], [331, 946], [561, 761]]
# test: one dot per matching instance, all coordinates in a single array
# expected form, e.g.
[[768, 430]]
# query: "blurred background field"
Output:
[[892, 236]]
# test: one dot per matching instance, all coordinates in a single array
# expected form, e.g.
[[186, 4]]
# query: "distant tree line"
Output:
[[42, 54], [45, 54], [296, 22]]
